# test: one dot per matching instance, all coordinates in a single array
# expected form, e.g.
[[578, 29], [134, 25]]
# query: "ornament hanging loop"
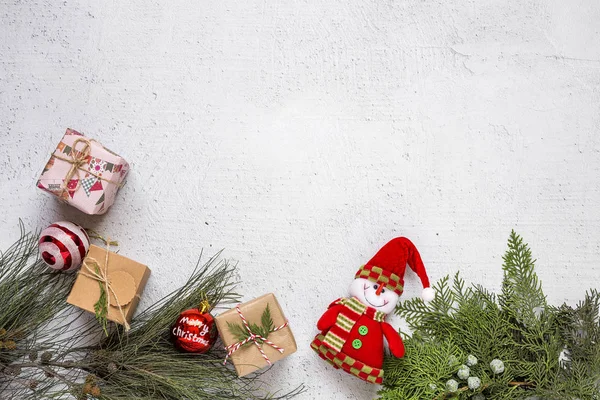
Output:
[[204, 306]]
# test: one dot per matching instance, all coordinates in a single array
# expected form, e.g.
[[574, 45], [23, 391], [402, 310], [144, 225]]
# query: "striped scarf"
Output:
[[337, 336]]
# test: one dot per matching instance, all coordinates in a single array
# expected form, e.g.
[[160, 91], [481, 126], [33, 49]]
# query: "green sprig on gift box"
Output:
[[101, 306], [241, 333], [469, 343]]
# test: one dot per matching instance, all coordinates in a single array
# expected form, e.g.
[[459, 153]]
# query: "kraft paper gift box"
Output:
[[83, 173], [127, 279], [248, 358]]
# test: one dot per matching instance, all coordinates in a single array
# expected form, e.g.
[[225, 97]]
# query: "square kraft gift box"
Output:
[[249, 357], [127, 279], [83, 173]]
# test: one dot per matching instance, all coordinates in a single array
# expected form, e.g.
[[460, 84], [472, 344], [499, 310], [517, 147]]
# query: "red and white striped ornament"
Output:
[[64, 245]]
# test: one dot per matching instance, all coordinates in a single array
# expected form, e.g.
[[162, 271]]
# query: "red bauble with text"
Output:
[[194, 331]]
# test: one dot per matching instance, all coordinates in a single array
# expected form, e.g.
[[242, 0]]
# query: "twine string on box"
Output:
[[78, 159], [253, 337], [101, 275]]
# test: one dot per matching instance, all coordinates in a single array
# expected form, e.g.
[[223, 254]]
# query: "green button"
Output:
[[363, 330], [357, 344]]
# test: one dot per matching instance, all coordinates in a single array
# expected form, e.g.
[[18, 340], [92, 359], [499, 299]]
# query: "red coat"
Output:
[[365, 340]]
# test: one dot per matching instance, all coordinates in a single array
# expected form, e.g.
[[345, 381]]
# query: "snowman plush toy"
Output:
[[352, 329]]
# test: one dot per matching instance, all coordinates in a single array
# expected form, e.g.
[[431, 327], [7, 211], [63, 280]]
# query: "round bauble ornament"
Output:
[[195, 330], [64, 245]]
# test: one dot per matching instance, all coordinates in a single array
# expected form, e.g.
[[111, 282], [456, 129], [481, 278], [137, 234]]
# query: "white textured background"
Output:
[[302, 135]]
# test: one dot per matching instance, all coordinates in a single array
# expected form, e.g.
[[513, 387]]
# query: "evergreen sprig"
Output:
[[263, 330], [101, 306], [522, 292], [33, 310], [524, 347]]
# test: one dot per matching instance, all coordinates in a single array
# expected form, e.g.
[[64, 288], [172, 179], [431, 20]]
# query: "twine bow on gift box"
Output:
[[254, 336], [78, 159], [97, 273]]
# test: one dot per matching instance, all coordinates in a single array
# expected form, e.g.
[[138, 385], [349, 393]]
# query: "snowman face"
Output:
[[366, 291]]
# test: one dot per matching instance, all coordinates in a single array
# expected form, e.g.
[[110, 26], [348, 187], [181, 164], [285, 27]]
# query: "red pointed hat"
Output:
[[387, 267]]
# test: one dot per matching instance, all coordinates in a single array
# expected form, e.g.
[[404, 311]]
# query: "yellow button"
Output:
[[357, 344], [363, 330]]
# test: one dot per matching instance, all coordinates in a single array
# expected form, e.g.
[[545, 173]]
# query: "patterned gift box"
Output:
[[83, 173], [253, 353]]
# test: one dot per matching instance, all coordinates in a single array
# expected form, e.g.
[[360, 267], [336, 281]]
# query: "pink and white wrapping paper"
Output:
[[94, 184]]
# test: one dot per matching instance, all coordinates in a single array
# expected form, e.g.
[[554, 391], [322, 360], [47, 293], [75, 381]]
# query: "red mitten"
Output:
[[328, 319], [394, 340]]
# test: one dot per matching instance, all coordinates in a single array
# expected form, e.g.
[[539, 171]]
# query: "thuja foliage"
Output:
[[50, 350], [265, 328], [469, 343]]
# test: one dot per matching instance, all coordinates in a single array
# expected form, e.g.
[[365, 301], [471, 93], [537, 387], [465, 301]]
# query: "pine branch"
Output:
[[538, 351], [32, 296], [143, 364], [522, 293], [458, 288], [434, 316]]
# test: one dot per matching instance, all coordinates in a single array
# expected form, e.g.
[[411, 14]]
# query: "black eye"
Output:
[[382, 290], [375, 286]]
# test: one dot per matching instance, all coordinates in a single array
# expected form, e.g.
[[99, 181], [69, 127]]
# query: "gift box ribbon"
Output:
[[252, 337], [78, 159], [101, 275]]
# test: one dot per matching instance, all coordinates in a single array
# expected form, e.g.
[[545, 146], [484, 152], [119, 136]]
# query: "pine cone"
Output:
[[46, 357]]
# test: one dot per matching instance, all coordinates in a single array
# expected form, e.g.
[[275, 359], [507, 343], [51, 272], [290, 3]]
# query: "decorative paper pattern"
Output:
[[93, 185]]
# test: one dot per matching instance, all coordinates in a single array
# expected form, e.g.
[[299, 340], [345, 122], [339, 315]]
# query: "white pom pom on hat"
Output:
[[428, 294]]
